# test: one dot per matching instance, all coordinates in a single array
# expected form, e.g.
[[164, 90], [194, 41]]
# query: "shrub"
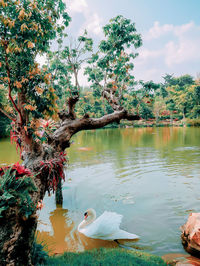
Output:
[[15, 188], [38, 255], [193, 122]]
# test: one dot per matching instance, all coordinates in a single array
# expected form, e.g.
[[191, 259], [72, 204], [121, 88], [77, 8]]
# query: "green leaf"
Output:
[[2, 209]]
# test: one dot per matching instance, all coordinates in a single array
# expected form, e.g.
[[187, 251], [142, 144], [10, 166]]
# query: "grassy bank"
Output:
[[105, 257]]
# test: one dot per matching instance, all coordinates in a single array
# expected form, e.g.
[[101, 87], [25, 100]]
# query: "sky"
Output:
[[170, 31]]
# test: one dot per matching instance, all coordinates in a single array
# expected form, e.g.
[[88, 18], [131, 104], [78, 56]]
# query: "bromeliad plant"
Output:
[[55, 170], [16, 185]]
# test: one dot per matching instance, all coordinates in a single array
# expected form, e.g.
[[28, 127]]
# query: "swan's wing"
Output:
[[106, 224]]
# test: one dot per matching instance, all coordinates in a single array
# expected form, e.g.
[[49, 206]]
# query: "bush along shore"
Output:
[[162, 123]]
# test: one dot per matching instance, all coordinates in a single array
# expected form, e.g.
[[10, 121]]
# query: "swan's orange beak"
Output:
[[85, 215]]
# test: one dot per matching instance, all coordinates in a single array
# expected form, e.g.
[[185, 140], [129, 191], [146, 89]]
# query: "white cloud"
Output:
[[92, 21], [76, 6], [41, 59], [147, 54], [169, 49], [181, 52], [162, 30], [92, 25], [185, 47], [156, 31], [179, 30]]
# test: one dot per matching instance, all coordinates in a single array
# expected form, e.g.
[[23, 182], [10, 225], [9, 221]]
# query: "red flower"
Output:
[[21, 170], [1, 171]]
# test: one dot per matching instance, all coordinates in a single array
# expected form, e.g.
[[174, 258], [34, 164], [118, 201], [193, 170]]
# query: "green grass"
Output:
[[38, 255], [106, 257]]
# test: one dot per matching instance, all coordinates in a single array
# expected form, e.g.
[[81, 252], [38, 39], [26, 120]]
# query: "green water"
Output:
[[150, 175]]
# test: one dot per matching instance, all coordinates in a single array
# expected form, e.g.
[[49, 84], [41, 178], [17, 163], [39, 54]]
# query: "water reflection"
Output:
[[175, 149], [63, 235]]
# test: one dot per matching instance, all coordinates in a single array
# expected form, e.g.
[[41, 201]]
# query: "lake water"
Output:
[[149, 175]]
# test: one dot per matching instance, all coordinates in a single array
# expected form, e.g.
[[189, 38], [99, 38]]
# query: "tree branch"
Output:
[[62, 135], [76, 77], [9, 85], [7, 115], [10, 97], [112, 99], [71, 107]]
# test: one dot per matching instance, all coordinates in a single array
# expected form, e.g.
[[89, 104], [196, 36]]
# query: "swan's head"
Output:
[[90, 215]]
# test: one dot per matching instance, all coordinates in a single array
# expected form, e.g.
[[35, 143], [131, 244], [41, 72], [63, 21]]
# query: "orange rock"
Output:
[[191, 234], [180, 259]]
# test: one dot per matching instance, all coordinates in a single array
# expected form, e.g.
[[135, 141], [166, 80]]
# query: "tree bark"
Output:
[[17, 237], [59, 194]]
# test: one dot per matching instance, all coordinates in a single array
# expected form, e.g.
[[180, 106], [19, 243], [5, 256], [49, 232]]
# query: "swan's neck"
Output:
[[85, 223]]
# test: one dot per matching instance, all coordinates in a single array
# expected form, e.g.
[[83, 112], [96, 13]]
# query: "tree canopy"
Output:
[[27, 28]]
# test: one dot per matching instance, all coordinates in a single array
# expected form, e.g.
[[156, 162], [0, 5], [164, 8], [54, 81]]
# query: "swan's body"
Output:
[[105, 227]]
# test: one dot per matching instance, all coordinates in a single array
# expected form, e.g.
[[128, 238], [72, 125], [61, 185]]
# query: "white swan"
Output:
[[105, 227]]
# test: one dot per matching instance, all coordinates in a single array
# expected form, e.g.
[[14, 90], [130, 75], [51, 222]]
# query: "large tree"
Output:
[[29, 99]]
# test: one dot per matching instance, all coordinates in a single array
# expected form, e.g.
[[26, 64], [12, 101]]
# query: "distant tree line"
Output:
[[176, 98]]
